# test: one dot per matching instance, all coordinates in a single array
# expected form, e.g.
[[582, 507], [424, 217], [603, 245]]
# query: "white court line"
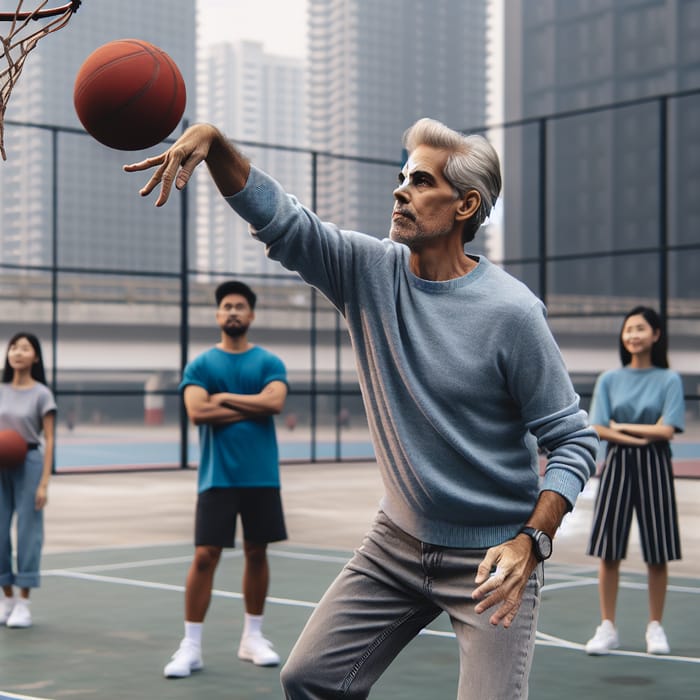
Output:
[[551, 641], [631, 585], [153, 585], [51, 551], [123, 565], [567, 580], [141, 563], [13, 696], [548, 640], [542, 638], [144, 563], [309, 557]]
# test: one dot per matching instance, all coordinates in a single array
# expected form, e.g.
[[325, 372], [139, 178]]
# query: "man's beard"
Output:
[[235, 330]]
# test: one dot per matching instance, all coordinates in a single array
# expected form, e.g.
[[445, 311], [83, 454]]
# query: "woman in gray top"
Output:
[[27, 406]]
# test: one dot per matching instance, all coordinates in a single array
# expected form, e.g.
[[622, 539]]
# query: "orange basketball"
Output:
[[13, 449], [129, 94]]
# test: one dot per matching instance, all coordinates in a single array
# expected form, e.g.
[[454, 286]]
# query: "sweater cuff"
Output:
[[257, 202], [563, 481]]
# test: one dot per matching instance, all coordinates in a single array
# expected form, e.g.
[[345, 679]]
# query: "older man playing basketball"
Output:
[[462, 382]]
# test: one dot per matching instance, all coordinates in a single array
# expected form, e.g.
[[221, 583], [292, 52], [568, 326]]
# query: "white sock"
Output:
[[252, 625], [23, 601], [193, 632]]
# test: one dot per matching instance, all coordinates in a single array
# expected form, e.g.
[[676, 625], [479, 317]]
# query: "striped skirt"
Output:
[[636, 479]]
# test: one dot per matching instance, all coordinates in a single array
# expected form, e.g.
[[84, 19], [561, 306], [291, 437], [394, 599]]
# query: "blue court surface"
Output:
[[140, 447], [107, 620]]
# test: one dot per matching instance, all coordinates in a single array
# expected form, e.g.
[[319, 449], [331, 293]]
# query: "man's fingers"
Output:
[[486, 565], [145, 164], [164, 174], [175, 166], [176, 170], [488, 594], [151, 184], [485, 592], [505, 613], [188, 167]]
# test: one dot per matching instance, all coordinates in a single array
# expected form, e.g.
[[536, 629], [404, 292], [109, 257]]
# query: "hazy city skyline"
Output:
[[279, 24]]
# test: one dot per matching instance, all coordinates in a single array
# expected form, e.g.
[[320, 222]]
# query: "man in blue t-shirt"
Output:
[[231, 392]]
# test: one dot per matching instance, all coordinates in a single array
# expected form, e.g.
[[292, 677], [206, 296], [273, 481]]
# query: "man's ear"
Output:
[[468, 205]]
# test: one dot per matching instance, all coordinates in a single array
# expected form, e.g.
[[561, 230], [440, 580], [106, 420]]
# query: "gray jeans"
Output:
[[393, 587]]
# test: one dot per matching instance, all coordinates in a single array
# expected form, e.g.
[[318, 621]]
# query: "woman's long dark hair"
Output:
[[38, 373], [659, 350]]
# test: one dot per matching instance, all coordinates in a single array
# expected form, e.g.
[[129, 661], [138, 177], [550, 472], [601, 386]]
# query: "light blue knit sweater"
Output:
[[461, 379]]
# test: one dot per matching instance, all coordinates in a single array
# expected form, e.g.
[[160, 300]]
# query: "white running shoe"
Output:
[[604, 639], [656, 639], [6, 606], [259, 650], [186, 659], [21, 615]]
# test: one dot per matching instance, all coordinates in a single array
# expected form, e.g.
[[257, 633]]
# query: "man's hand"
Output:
[[201, 142], [514, 561]]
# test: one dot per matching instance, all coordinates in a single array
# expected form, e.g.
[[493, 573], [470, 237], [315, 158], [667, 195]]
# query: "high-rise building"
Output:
[[100, 222], [375, 66], [605, 168], [255, 98]]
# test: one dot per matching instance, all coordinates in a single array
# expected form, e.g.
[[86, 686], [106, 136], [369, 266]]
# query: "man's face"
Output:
[[425, 203], [234, 315]]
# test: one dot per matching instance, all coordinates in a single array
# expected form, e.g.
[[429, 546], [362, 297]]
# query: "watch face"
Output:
[[544, 544]]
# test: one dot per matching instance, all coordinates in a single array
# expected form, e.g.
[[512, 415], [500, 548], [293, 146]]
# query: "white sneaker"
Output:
[[604, 639], [21, 615], [259, 650], [656, 639], [6, 606], [186, 659]]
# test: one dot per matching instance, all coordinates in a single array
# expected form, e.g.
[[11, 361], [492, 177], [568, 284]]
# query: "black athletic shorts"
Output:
[[260, 510]]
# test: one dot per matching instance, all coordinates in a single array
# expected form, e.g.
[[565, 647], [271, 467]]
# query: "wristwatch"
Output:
[[542, 542]]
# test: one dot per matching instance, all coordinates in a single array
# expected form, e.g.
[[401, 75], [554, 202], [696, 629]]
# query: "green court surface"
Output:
[[107, 620]]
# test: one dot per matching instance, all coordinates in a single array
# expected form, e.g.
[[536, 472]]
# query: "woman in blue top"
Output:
[[637, 409]]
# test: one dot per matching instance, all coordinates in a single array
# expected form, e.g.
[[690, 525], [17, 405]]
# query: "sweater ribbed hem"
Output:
[[447, 534]]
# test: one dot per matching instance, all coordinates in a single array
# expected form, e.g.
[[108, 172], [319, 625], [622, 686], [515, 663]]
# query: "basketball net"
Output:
[[20, 40]]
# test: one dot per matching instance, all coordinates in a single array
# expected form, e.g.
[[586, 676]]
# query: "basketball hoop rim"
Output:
[[40, 14], [19, 41]]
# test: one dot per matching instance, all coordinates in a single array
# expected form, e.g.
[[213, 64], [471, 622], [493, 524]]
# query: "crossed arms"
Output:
[[635, 433], [224, 408]]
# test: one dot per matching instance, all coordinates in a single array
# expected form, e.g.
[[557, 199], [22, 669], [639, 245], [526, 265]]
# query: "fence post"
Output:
[[663, 209], [184, 314], [54, 269], [542, 213], [312, 332]]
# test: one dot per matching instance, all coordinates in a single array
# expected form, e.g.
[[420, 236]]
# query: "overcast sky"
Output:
[[279, 24]]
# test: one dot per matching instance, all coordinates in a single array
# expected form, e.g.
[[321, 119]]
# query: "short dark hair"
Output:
[[235, 287]]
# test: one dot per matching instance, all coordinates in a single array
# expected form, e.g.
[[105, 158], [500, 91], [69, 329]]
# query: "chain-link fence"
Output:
[[599, 213]]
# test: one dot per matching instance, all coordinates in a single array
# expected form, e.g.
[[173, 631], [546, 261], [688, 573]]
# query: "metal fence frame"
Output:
[[543, 259]]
